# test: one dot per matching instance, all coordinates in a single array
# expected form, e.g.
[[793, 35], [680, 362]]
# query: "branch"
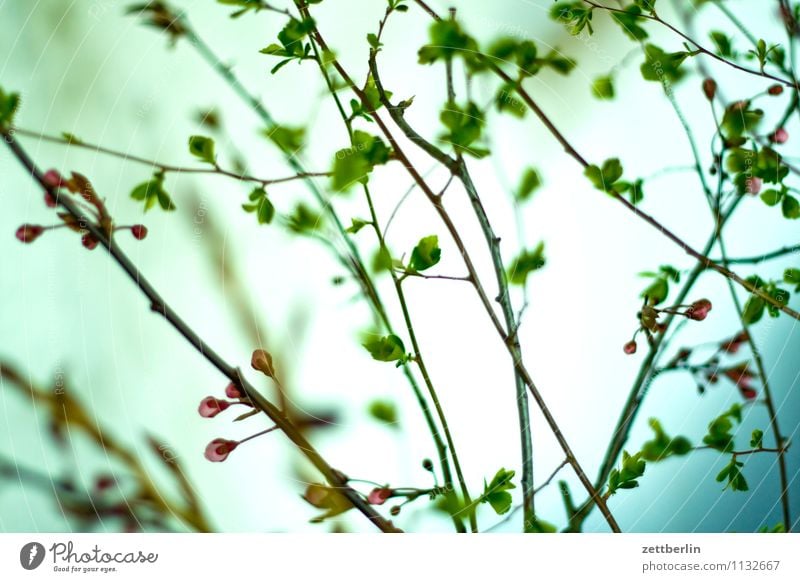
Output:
[[166, 168], [455, 235], [158, 305], [765, 257], [655, 18]]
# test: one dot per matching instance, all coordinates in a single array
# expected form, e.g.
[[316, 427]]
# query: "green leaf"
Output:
[[531, 181], [304, 219], [356, 225], [355, 163], [152, 192], [732, 473], [753, 309], [574, 15], [526, 263], [790, 207], [657, 291], [662, 446], [496, 493], [465, 128], [723, 44], [792, 276], [603, 87], [388, 348], [772, 196], [384, 411], [757, 439], [626, 477], [202, 148], [629, 20], [373, 41], [426, 254], [261, 205], [661, 66], [605, 177], [290, 140], [9, 104], [448, 39]]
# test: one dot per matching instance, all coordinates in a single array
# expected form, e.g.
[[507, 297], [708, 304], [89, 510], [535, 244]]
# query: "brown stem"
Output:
[[158, 305]]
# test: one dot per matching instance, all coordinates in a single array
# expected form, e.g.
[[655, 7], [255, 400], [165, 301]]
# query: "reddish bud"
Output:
[[742, 377], [53, 179], [232, 391], [748, 393], [139, 231], [89, 241], [753, 185], [49, 200], [732, 345], [630, 347], [379, 495], [219, 449], [779, 136], [28, 233], [210, 406], [710, 89], [262, 361], [104, 482], [698, 310], [775, 90]]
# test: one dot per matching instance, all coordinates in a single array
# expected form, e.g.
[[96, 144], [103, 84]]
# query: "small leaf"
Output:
[[202, 148], [603, 87], [530, 182], [388, 348], [426, 254], [526, 263], [384, 411], [757, 439]]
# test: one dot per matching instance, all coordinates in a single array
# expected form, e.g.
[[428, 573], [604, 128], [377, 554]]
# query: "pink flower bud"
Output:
[[732, 345], [49, 200], [89, 241], [210, 406], [710, 89], [779, 136], [139, 231], [775, 89], [262, 361], [53, 179], [699, 310], [748, 393], [219, 449], [28, 233], [630, 347], [104, 482], [232, 391], [379, 495], [753, 185]]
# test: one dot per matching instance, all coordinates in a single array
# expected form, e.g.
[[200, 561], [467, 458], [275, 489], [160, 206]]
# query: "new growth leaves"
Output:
[[152, 192]]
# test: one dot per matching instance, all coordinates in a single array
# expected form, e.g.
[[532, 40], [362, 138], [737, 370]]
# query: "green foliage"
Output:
[[356, 224], [303, 220], [627, 476], [497, 493], [260, 205], [506, 102], [607, 179], [630, 21], [576, 16], [525, 55], [757, 439], [355, 163], [290, 140], [755, 306], [152, 192], [203, 149], [719, 435], [603, 87], [426, 254], [646, 5], [792, 276], [723, 44], [658, 290], [663, 67], [388, 348], [530, 182], [383, 411], [526, 263], [732, 472], [465, 128], [739, 120], [9, 104], [245, 6], [448, 39], [662, 446], [762, 53], [291, 45]]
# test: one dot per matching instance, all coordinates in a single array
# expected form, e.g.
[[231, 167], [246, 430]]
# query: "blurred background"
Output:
[[71, 316]]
